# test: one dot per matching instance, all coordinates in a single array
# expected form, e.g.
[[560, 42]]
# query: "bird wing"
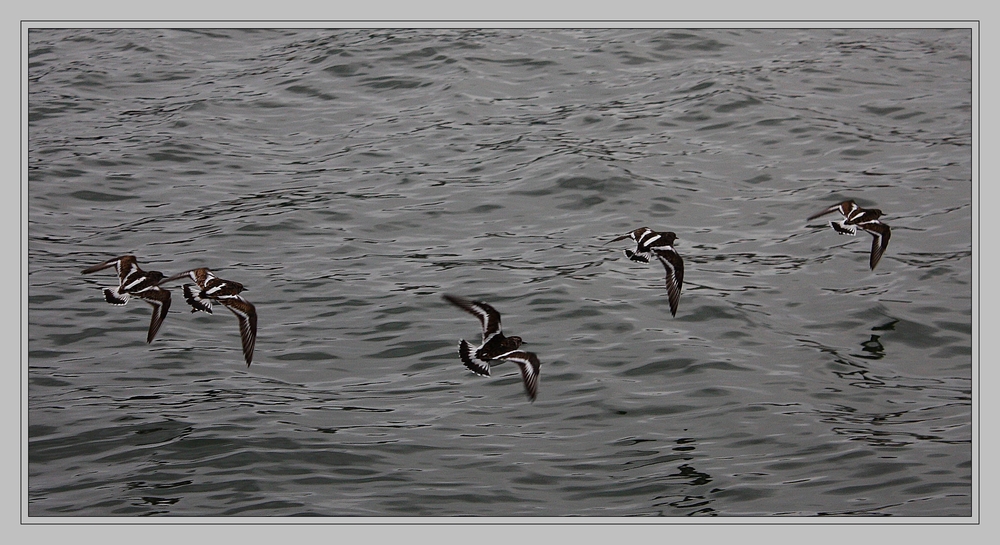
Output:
[[530, 367], [674, 266], [159, 299], [488, 316], [247, 315], [880, 233]]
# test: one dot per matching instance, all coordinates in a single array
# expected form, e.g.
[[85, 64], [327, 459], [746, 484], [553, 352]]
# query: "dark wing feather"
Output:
[[674, 266], [623, 237], [101, 266], [159, 299], [880, 233], [247, 315], [825, 211], [530, 366], [123, 265], [488, 316]]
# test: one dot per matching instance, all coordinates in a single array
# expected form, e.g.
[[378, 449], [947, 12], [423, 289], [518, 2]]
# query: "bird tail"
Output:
[[475, 365], [113, 296]]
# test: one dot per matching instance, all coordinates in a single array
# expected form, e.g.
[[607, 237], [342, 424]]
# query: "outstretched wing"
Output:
[[247, 315], [123, 265], [199, 276], [880, 233], [530, 366], [159, 299], [488, 316], [634, 235], [845, 208], [674, 266]]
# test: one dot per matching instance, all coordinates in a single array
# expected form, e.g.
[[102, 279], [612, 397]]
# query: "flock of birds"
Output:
[[495, 347], [133, 281]]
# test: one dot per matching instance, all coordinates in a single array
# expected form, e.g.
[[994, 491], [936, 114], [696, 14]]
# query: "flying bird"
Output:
[[142, 284], [208, 288], [854, 217], [649, 242], [495, 346]]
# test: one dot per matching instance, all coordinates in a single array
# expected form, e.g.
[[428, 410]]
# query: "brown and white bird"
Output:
[[208, 288], [649, 242], [134, 281], [854, 217], [495, 346]]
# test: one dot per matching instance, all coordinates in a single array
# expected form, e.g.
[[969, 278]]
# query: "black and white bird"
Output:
[[495, 346], [854, 217], [134, 281], [208, 288], [649, 242], [646, 240]]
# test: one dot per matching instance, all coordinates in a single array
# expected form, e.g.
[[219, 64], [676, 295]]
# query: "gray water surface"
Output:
[[349, 177]]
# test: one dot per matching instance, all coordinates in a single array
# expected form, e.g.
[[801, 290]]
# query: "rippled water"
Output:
[[350, 177]]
